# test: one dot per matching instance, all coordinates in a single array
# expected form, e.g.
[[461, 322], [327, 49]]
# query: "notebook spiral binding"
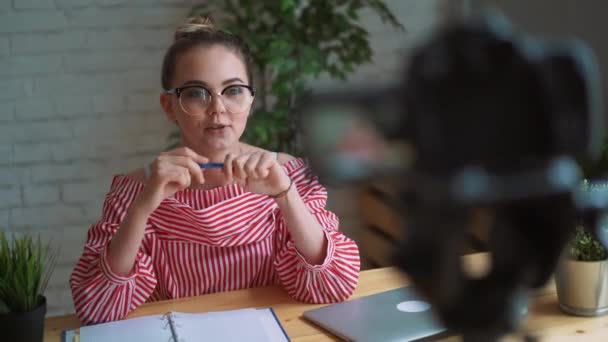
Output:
[[172, 325]]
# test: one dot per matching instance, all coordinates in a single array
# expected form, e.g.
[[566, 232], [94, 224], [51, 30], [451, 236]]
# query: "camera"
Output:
[[487, 122]]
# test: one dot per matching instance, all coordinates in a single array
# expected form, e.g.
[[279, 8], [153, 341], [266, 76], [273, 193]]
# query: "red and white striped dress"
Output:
[[205, 241]]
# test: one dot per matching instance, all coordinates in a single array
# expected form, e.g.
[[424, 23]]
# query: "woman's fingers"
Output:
[[239, 168], [251, 164], [182, 178], [176, 176], [238, 165], [228, 167], [186, 162], [264, 165], [249, 167]]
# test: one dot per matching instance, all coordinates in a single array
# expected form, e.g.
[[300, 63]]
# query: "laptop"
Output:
[[395, 315]]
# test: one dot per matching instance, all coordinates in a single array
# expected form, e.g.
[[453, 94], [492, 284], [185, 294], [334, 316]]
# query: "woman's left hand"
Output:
[[258, 172]]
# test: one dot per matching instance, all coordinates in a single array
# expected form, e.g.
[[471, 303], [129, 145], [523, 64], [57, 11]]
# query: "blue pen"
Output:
[[211, 165]]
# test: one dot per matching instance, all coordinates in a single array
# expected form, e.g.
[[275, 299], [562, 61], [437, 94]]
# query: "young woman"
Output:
[[175, 228]]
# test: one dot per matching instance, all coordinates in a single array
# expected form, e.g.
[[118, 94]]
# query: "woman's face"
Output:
[[214, 126]]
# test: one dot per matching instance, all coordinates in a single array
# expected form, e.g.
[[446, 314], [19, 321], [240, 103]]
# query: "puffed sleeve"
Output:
[[335, 279], [99, 294]]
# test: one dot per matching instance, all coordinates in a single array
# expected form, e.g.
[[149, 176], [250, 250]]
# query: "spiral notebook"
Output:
[[234, 325]]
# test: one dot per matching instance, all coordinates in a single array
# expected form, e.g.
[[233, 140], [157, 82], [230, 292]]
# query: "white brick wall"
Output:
[[79, 83], [40, 194], [4, 46], [26, 21], [5, 6], [13, 175], [28, 109], [33, 4], [30, 65], [10, 197], [32, 153], [6, 155], [23, 44], [11, 88], [69, 4], [7, 113], [4, 216]]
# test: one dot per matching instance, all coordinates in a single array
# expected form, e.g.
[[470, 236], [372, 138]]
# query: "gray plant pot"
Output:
[[582, 287]]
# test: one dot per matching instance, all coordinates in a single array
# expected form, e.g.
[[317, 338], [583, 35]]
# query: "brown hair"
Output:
[[200, 31]]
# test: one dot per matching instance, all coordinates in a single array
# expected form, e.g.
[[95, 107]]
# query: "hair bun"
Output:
[[194, 24]]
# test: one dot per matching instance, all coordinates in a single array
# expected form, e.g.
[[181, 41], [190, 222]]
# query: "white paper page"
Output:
[[145, 329], [233, 325], [274, 332]]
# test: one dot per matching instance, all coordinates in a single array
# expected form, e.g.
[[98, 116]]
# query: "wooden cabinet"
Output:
[[384, 225]]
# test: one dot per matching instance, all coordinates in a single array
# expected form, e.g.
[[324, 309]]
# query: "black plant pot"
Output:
[[24, 326]]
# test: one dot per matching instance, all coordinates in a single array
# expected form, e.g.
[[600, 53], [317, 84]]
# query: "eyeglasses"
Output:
[[195, 99]]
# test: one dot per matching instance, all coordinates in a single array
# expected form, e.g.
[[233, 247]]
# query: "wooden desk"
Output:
[[545, 318]]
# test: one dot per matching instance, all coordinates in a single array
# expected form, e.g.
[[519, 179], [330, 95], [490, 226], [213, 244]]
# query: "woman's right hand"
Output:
[[171, 172]]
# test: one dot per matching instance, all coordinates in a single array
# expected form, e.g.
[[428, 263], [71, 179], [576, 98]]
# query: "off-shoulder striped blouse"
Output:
[[205, 241]]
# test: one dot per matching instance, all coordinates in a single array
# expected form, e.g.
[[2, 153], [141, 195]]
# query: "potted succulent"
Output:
[[26, 264], [581, 277]]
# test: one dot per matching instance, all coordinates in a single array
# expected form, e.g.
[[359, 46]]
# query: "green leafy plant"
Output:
[[26, 265], [584, 246], [293, 41]]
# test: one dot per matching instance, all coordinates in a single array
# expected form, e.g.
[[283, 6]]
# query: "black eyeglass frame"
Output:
[[177, 91]]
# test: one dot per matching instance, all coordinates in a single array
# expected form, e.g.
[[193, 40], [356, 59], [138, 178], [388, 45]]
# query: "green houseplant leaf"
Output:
[[25, 268], [584, 247]]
